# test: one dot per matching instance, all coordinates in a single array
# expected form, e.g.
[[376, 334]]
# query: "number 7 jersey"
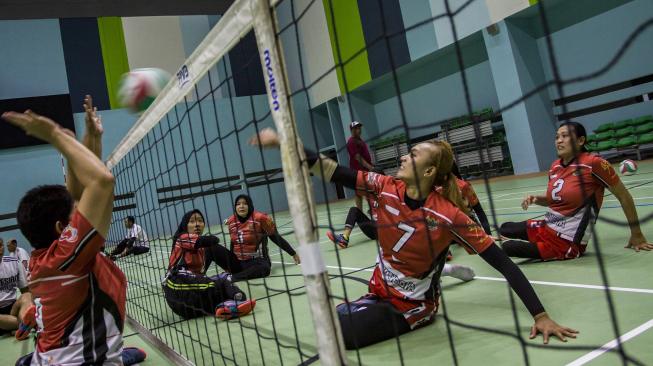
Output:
[[575, 195], [414, 243]]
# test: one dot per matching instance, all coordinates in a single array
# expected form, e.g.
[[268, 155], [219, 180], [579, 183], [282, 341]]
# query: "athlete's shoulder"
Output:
[[258, 216], [230, 219], [556, 164], [462, 184]]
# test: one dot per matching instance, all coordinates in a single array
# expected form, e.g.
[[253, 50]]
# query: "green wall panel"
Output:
[[114, 55]]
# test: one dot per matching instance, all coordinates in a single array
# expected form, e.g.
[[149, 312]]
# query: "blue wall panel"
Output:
[[32, 62]]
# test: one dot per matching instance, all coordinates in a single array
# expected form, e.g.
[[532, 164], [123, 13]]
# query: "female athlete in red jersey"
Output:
[[415, 227], [574, 196], [189, 292], [249, 231]]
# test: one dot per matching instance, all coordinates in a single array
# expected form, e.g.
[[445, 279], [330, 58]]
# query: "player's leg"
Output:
[[253, 268], [119, 248], [358, 200], [367, 225], [138, 250], [8, 322], [233, 302], [354, 215], [368, 321], [514, 230], [522, 247], [223, 257], [459, 271], [190, 296]]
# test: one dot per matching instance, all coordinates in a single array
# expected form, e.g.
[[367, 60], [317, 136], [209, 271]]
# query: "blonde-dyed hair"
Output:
[[444, 177]]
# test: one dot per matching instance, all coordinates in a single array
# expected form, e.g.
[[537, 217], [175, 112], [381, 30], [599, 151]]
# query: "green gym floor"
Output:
[[280, 330]]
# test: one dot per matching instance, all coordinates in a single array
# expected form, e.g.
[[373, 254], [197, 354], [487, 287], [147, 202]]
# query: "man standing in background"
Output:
[[359, 155], [18, 253]]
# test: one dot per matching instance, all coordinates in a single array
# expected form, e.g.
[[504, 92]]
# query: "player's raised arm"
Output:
[[92, 139], [320, 165], [96, 202]]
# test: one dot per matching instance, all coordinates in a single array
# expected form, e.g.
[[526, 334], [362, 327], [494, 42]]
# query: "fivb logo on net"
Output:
[[271, 81]]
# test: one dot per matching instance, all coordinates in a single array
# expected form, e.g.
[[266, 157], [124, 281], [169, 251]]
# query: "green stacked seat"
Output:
[[591, 146], [605, 145], [646, 138], [625, 131], [604, 135], [605, 127], [641, 120], [626, 142], [591, 138], [622, 124], [644, 128]]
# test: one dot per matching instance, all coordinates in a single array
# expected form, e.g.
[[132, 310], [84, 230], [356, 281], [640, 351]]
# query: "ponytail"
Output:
[[445, 177]]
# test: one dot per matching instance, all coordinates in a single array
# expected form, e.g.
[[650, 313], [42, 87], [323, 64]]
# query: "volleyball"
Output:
[[139, 87], [628, 167]]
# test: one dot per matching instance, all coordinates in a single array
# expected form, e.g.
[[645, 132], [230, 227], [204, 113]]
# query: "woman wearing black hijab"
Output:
[[249, 230]]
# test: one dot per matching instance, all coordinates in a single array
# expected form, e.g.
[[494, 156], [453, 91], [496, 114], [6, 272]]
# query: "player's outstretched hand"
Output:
[[266, 138], [93, 120], [33, 124], [529, 200], [638, 242], [296, 259], [546, 326]]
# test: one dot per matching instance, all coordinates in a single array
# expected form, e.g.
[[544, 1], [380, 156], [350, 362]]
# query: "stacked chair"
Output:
[[626, 134]]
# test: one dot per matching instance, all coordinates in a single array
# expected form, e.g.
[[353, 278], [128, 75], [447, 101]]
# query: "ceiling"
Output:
[[51, 9]]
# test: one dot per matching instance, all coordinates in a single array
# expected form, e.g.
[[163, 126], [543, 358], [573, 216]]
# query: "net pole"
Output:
[[298, 189]]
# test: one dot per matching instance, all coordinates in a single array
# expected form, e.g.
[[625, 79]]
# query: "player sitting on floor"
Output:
[[574, 196], [368, 227], [249, 231], [70, 280], [416, 225], [13, 308], [189, 292], [135, 241]]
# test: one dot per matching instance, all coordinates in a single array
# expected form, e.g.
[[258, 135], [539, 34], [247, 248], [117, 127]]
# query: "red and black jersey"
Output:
[[80, 299], [413, 242], [468, 192], [248, 238], [187, 255], [575, 195]]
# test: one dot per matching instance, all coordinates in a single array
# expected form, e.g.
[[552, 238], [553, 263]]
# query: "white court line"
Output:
[[544, 283], [577, 285], [612, 344]]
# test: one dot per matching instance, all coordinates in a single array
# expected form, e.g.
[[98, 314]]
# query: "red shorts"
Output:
[[550, 245], [416, 312]]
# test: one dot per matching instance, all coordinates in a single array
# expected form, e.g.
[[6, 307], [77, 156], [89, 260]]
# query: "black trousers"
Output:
[[368, 323], [521, 248], [192, 296], [131, 248], [367, 225], [240, 269]]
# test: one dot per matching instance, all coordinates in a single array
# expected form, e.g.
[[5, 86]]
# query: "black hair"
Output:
[[250, 207], [183, 225], [40, 209], [578, 131], [131, 219]]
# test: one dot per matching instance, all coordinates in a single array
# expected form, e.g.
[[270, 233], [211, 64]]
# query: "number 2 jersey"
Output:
[[575, 195], [414, 243]]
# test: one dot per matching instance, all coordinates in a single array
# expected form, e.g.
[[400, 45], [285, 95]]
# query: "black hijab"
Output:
[[250, 207]]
